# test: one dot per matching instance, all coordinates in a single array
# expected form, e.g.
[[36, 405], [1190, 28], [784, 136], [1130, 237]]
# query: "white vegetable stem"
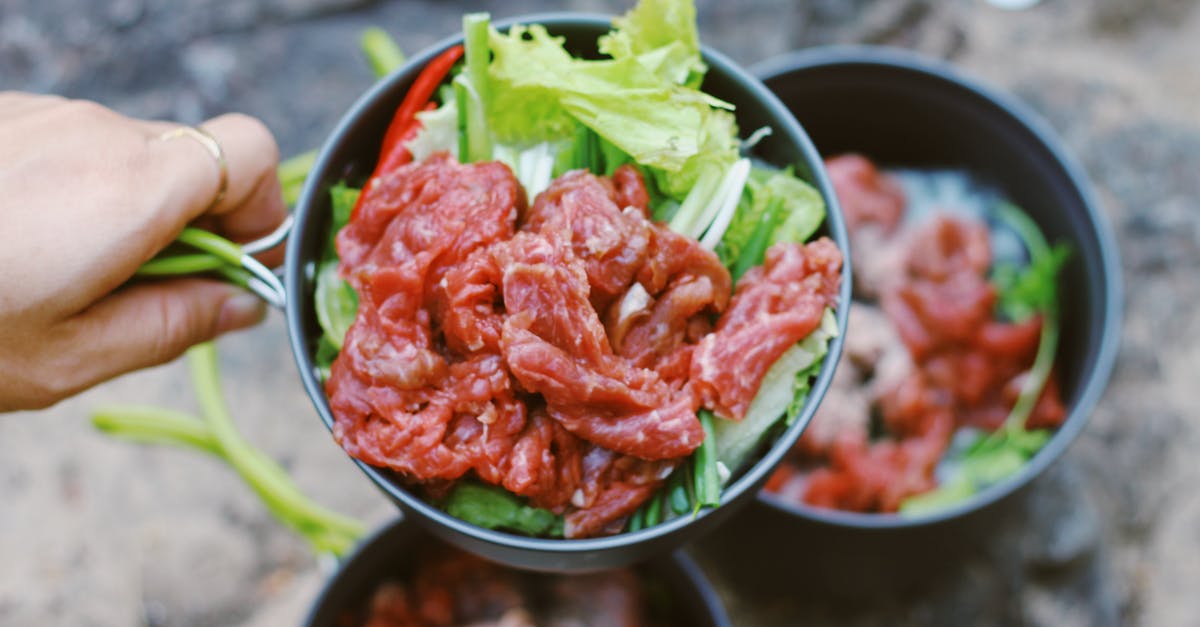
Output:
[[706, 200], [729, 194]]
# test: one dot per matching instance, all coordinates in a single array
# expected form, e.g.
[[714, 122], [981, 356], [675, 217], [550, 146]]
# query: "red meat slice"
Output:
[[614, 487], [682, 284], [581, 210], [555, 346], [867, 195], [775, 306]]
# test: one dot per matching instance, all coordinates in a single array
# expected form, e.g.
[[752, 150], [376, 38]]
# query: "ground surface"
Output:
[[96, 532]]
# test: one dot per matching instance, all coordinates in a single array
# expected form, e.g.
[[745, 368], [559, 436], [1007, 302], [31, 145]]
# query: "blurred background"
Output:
[[99, 532]]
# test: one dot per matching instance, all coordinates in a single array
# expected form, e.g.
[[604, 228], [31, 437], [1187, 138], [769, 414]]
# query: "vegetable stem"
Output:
[[174, 265], [756, 247], [153, 425], [471, 91], [708, 483], [383, 53], [212, 244], [1040, 254]]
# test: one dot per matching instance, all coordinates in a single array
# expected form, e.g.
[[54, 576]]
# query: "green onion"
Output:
[[637, 521], [471, 92], [383, 53], [708, 483], [173, 265], [653, 511]]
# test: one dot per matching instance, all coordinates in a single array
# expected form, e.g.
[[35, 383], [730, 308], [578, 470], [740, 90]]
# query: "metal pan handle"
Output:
[[265, 282]]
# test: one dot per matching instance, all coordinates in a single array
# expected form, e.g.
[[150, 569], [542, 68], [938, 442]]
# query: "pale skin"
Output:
[[88, 195]]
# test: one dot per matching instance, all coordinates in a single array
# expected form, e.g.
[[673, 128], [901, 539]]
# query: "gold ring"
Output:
[[210, 143]]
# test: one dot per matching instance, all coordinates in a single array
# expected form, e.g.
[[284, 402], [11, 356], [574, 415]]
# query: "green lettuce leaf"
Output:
[[493, 507], [662, 35], [540, 93]]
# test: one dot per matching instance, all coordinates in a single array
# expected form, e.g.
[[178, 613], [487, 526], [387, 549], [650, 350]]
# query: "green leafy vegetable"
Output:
[[494, 507], [708, 482], [1026, 291], [439, 131], [335, 302], [986, 462], [342, 199], [541, 93], [662, 35]]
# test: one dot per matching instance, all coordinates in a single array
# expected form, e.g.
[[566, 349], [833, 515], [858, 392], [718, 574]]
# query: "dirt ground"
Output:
[[103, 533]]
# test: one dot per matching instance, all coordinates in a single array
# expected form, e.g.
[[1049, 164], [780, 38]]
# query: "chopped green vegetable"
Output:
[[472, 92], [755, 249], [335, 302], [708, 483], [342, 199], [1024, 292], [653, 511], [986, 462], [678, 494], [637, 521], [493, 507], [942, 497]]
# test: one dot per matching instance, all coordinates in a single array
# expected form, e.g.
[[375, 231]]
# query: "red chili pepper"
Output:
[[404, 124]]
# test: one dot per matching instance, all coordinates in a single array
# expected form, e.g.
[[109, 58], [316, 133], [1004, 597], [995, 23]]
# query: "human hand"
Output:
[[88, 195]]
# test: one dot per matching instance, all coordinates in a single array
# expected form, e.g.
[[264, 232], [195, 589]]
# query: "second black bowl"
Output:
[[684, 594], [905, 110]]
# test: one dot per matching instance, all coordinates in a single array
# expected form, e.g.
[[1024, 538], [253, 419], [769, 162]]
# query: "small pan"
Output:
[[349, 155]]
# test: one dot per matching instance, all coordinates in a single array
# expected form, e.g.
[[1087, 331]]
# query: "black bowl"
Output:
[[389, 551], [350, 154], [903, 109]]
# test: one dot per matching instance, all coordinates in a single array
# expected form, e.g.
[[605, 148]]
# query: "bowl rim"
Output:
[[425, 513], [907, 61], [687, 569]]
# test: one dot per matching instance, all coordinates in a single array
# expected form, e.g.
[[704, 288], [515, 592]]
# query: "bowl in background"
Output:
[[389, 553], [901, 109], [350, 154]]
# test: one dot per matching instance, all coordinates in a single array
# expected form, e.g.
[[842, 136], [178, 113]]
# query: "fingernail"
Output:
[[239, 311]]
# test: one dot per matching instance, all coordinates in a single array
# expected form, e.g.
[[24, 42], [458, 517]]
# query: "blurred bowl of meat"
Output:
[[349, 155], [403, 576], [940, 137]]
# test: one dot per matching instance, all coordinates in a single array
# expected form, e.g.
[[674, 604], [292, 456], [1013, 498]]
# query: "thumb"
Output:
[[148, 324]]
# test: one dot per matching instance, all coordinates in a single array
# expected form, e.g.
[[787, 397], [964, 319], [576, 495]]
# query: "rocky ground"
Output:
[[96, 532]]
